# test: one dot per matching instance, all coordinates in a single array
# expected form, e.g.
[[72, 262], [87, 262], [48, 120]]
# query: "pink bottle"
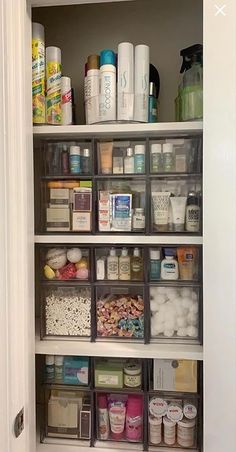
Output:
[[134, 418]]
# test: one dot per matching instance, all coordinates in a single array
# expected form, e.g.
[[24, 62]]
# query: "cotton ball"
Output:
[[180, 311], [160, 316], [194, 296], [153, 327], [171, 293], [153, 292], [182, 332], [192, 319], [194, 308], [161, 290], [154, 306], [186, 292], [161, 299], [56, 258], [169, 333], [159, 328], [192, 331], [74, 255], [170, 325], [181, 322], [187, 303], [177, 301]]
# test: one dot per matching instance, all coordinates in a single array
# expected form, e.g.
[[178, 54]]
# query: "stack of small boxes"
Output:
[[70, 208]]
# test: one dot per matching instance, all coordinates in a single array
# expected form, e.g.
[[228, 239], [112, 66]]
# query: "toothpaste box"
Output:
[[121, 212], [104, 211]]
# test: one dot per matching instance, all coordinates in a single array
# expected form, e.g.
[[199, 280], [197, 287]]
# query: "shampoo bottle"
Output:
[[137, 266], [141, 83], [107, 86], [92, 90], [124, 265], [112, 265], [125, 96]]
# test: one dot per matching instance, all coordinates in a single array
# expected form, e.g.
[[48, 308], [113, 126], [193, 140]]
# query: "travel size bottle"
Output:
[[169, 266], [155, 265], [193, 213], [124, 265], [112, 265], [139, 159], [137, 265], [129, 162]]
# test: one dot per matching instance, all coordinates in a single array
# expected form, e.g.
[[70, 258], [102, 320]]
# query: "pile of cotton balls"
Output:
[[174, 312]]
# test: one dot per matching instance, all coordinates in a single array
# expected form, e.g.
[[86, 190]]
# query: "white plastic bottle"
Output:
[[169, 266], [125, 95], [112, 265], [124, 265], [66, 101], [92, 90], [107, 86], [141, 83]]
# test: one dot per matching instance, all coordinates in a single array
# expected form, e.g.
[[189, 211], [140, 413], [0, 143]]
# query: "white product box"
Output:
[[81, 221], [59, 197], [58, 220]]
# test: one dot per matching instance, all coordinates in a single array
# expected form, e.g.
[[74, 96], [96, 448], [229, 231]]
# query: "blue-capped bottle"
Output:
[[107, 86]]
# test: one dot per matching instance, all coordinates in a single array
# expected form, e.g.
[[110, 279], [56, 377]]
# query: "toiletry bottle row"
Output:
[[181, 263], [130, 161], [124, 267], [164, 159]]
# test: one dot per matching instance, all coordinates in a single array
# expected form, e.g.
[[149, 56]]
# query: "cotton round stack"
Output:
[[174, 312]]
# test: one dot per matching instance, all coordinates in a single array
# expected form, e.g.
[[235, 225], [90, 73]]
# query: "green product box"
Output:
[[109, 375], [86, 183]]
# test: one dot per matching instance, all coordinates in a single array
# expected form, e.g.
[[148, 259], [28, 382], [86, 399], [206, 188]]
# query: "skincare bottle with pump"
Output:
[[107, 90]]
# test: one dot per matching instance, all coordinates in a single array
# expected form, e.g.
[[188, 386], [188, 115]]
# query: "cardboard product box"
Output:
[[104, 212], [81, 221], [82, 201], [59, 197], [175, 375], [121, 216], [58, 219], [63, 414], [85, 422], [109, 374], [76, 370]]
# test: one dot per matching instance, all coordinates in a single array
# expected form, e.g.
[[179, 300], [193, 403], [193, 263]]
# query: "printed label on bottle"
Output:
[[124, 268], [38, 81], [193, 219], [66, 97], [53, 93]]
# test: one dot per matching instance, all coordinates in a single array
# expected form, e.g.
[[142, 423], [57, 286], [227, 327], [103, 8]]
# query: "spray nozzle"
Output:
[[192, 54]]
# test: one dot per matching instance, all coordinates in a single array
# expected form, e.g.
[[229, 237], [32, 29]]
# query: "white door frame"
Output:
[[16, 229]]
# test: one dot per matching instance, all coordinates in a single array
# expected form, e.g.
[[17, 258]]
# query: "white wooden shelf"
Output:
[[121, 239], [39, 3], [118, 349], [99, 130]]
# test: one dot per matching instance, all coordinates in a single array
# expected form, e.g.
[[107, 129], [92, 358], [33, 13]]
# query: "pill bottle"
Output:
[[155, 429], [169, 431], [186, 432]]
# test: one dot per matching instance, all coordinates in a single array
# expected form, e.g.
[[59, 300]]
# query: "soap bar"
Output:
[[175, 375], [63, 409], [58, 220], [109, 375], [76, 370]]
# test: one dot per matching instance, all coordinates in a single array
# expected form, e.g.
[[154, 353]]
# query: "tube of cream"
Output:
[[160, 201], [178, 204], [105, 151], [117, 413]]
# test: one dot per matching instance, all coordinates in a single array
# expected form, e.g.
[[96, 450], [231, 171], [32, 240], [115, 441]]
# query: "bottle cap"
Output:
[[93, 62], [65, 84], [155, 254], [156, 148], [169, 252], [139, 210], [136, 252], [167, 147], [102, 401], [132, 368], [53, 54], [129, 152], [124, 252], [59, 360], [74, 150], [139, 149], [112, 252], [192, 199], [37, 31], [107, 57], [152, 89], [49, 360], [86, 152]]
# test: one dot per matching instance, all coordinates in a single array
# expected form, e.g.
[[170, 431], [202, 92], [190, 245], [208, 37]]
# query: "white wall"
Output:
[[166, 25]]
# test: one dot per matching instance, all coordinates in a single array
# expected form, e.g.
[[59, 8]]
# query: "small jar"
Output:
[[139, 219], [132, 375], [186, 432], [155, 430], [169, 431]]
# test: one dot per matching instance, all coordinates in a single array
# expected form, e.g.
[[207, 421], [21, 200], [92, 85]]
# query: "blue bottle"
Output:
[[75, 162], [139, 159], [155, 265]]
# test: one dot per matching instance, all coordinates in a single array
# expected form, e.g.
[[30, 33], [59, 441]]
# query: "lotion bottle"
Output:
[[112, 265], [107, 86], [124, 265]]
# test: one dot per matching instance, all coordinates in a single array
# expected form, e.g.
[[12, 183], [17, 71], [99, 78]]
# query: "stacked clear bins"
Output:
[[143, 404], [143, 293], [116, 186]]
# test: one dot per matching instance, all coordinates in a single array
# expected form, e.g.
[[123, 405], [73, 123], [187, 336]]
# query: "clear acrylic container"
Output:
[[62, 159], [121, 157], [120, 312], [175, 313], [64, 263], [65, 311]]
